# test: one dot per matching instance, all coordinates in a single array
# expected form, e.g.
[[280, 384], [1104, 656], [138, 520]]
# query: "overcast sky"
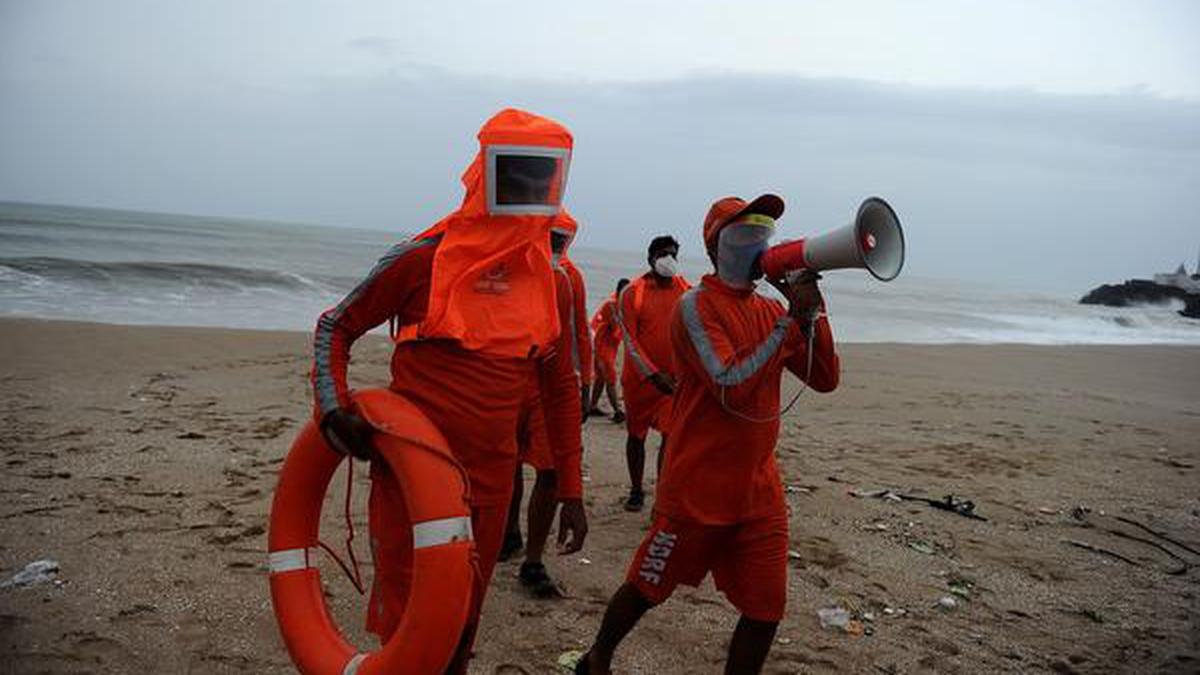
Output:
[[1055, 143]]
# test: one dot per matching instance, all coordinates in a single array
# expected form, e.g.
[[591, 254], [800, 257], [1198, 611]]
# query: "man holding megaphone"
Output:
[[720, 506]]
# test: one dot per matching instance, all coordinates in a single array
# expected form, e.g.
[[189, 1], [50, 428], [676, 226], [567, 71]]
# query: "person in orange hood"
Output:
[[533, 443], [719, 507], [607, 338], [473, 309], [647, 378]]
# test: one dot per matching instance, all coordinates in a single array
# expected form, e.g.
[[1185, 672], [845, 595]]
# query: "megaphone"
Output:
[[874, 241]]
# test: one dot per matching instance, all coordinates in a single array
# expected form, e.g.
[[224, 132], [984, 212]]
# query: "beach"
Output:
[[142, 460]]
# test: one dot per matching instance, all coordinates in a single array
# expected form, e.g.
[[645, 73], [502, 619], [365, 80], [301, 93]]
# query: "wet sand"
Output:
[[142, 460]]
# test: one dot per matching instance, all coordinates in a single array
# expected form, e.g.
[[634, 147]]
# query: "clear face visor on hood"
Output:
[[525, 179], [738, 247]]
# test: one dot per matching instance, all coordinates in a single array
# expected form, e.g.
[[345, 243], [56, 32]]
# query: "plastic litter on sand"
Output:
[[36, 572]]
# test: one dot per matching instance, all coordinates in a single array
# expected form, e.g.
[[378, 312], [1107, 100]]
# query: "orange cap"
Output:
[[728, 209]]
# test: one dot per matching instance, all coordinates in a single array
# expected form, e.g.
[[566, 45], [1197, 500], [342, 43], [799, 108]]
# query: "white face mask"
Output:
[[666, 266], [738, 248]]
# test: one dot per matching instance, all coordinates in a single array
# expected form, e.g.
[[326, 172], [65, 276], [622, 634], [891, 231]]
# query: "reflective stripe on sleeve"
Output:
[[325, 385], [738, 372], [442, 531], [290, 560]]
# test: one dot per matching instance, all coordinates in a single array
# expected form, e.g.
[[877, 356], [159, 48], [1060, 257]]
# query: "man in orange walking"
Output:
[[720, 506], [533, 442], [647, 378], [473, 304], [606, 332]]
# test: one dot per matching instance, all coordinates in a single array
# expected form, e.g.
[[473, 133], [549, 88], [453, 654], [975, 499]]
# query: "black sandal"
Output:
[[534, 577]]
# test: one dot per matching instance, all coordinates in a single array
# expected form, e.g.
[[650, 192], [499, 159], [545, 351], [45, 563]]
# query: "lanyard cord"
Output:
[[354, 578], [812, 332]]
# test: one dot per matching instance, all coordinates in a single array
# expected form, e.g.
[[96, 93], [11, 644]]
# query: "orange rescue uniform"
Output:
[[473, 308], [645, 310], [719, 505], [607, 337], [475, 399]]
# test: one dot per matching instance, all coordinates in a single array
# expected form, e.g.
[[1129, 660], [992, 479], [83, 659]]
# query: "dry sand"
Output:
[[143, 460]]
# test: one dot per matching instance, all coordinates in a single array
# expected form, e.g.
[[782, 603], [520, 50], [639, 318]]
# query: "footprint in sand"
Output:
[[91, 647], [232, 537], [819, 551], [271, 427]]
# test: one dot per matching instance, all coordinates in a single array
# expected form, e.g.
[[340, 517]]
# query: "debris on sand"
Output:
[[834, 617], [37, 572]]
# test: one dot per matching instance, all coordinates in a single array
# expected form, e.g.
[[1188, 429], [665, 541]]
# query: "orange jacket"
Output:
[[731, 346], [474, 398], [644, 315]]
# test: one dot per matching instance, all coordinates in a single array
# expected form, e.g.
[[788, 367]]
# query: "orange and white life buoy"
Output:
[[435, 492]]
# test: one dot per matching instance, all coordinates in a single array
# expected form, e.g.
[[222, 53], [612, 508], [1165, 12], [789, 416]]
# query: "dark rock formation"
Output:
[[1142, 292], [1191, 307]]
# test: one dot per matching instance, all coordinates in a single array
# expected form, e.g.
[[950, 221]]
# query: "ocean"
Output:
[[130, 267]]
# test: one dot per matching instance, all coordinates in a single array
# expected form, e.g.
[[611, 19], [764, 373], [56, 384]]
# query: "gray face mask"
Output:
[[738, 247]]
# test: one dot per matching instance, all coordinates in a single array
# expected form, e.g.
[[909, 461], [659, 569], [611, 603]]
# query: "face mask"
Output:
[[666, 266], [738, 247]]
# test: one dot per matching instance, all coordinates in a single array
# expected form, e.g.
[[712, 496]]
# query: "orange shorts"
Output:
[[533, 441], [606, 363], [748, 562], [645, 406]]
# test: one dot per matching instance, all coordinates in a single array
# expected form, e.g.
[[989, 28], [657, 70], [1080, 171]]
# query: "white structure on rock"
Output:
[[1181, 279]]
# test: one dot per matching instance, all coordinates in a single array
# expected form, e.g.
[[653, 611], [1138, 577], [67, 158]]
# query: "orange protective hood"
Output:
[[565, 224], [492, 288]]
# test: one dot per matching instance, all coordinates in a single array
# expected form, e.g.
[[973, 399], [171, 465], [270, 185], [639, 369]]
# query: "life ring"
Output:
[[435, 491]]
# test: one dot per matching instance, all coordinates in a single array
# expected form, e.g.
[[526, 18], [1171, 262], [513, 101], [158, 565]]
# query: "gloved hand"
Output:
[[348, 433]]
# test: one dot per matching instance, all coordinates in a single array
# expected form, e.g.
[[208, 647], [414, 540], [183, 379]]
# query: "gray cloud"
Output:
[[1010, 185]]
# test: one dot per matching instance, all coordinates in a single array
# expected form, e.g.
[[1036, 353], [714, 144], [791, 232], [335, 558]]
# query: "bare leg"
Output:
[[611, 390], [624, 611], [596, 392], [635, 459], [512, 529], [543, 504], [749, 647]]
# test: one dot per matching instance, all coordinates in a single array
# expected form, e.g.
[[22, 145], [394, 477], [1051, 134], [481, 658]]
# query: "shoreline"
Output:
[[143, 460], [375, 333]]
